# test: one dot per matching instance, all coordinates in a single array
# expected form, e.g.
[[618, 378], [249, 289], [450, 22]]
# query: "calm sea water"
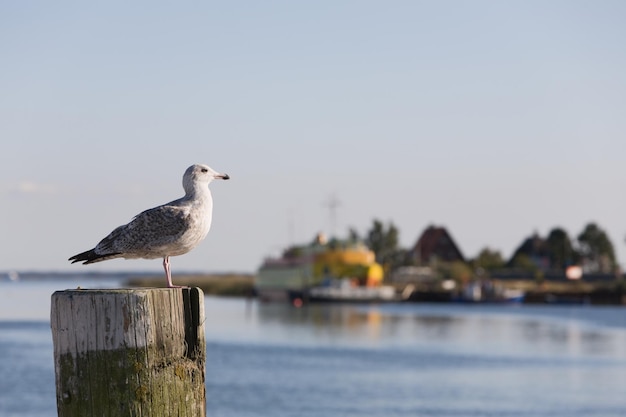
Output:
[[360, 360]]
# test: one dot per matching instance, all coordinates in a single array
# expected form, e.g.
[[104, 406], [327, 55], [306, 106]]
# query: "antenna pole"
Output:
[[332, 204]]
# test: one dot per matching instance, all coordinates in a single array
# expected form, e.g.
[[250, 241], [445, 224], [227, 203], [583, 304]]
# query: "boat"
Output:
[[323, 271], [345, 290], [487, 292]]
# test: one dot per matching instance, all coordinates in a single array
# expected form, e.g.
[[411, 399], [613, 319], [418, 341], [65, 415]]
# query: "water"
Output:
[[349, 360]]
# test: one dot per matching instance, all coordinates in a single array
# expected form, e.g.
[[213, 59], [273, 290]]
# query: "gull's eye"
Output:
[[204, 170]]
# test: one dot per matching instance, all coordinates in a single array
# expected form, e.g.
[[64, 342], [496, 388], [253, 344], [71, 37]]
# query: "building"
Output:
[[534, 249], [436, 245], [317, 264]]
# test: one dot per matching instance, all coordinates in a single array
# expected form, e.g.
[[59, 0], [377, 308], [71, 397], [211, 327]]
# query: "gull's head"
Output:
[[201, 174]]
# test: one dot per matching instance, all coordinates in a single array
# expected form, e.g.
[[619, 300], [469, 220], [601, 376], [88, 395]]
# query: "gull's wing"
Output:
[[150, 229]]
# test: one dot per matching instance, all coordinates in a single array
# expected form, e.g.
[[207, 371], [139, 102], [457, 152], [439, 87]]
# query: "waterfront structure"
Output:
[[320, 263], [435, 245], [535, 250]]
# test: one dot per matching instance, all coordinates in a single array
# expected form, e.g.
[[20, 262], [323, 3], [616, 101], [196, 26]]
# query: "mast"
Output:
[[332, 204]]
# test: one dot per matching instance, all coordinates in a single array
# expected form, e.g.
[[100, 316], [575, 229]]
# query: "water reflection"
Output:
[[574, 338], [497, 330]]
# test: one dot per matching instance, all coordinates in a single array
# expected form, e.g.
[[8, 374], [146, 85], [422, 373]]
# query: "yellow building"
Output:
[[303, 267]]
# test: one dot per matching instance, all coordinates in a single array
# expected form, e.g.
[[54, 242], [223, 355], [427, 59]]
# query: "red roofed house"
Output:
[[436, 244]]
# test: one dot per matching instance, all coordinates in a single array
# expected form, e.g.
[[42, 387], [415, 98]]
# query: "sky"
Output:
[[494, 119]]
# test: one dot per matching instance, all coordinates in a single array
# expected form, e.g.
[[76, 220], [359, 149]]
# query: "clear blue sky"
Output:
[[495, 119]]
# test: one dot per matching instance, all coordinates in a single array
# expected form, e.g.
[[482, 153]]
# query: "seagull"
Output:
[[171, 229]]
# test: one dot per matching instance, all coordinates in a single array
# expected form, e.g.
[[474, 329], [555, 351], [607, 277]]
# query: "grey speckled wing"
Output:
[[147, 234], [172, 229]]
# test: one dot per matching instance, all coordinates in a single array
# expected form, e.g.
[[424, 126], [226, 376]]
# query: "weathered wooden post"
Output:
[[129, 352]]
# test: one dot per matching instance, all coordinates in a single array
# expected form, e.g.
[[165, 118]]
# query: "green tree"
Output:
[[596, 249], [523, 262], [560, 249], [353, 235], [457, 270], [488, 260], [383, 241]]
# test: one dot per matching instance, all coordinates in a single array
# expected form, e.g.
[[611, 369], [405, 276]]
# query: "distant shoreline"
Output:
[[32, 275], [237, 284], [225, 284]]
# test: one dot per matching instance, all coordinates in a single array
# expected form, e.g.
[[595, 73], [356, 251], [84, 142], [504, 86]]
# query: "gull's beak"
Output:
[[222, 177]]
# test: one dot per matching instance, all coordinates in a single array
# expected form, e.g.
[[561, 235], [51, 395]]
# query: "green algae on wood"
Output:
[[136, 352]]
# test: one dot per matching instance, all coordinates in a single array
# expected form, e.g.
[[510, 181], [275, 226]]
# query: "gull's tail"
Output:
[[91, 256]]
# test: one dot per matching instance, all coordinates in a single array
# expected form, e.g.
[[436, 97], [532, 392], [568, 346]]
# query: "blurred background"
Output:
[[493, 119]]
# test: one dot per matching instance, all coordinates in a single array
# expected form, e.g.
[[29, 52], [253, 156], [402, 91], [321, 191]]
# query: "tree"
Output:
[[525, 263], [596, 249], [457, 270], [488, 260], [384, 243], [560, 249], [522, 261], [353, 235]]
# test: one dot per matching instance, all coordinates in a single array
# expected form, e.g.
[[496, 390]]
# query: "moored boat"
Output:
[[346, 291]]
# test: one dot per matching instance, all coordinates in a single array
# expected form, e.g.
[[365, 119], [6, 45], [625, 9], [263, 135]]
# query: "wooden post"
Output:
[[129, 352]]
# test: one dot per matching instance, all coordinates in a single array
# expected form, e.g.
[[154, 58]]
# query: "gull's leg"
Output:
[[168, 273]]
